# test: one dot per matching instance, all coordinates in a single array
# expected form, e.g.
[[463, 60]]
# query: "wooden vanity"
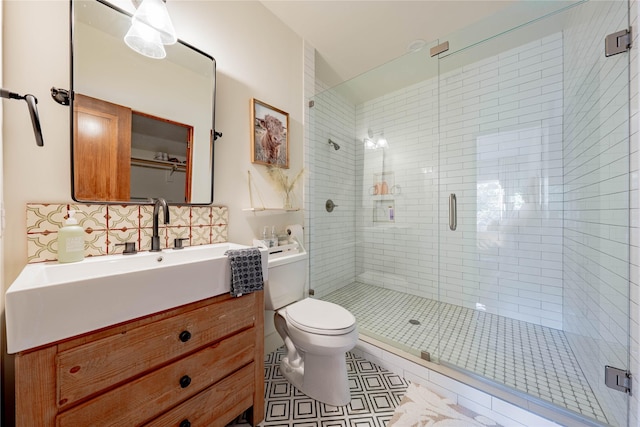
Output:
[[201, 364]]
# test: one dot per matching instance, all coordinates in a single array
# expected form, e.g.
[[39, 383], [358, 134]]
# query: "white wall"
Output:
[[2, 340], [257, 56]]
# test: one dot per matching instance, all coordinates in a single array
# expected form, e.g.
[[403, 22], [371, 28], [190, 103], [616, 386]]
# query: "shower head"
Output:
[[335, 146]]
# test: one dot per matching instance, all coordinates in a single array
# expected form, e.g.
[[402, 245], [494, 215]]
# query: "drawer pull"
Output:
[[185, 336], [185, 423], [185, 381]]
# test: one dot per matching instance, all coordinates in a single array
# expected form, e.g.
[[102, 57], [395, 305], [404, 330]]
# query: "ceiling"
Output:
[[352, 37]]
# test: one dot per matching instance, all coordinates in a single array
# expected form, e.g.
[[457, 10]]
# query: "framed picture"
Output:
[[269, 135]]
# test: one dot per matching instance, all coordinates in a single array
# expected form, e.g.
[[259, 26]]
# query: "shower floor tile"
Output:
[[529, 358]]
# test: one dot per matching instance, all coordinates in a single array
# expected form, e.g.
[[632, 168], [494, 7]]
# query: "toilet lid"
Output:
[[320, 317]]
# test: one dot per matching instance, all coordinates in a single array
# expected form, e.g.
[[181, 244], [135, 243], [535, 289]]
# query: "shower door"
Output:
[[534, 210]]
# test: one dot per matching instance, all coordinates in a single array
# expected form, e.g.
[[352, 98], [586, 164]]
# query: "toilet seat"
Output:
[[320, 317]]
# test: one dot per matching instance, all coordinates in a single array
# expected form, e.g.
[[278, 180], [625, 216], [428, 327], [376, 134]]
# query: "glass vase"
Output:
[[287, 201]]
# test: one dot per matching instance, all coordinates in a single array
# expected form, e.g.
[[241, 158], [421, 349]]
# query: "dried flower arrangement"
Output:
[[284, 184]]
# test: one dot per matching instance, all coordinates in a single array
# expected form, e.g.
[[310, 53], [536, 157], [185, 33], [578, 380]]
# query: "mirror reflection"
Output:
[[142, 127]]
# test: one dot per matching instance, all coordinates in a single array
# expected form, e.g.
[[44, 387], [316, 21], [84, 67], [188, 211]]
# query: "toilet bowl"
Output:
[[317, 334], [315, 362]]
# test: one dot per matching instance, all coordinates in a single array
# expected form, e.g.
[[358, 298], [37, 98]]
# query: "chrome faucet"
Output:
[[155, 238]]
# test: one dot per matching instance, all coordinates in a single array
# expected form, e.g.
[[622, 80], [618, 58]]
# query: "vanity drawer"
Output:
[[215, 406], [93, 367], [142, 399]]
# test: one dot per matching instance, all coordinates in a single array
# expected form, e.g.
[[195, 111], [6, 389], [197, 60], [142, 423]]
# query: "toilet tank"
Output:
[[287, 266]]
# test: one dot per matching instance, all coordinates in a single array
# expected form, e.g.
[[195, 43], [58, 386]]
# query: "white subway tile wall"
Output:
[[332, 173], [596, 198], [634, 218], [400, 253], [500, 152]]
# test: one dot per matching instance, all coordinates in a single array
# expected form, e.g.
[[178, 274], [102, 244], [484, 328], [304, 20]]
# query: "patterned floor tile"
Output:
[[375, 393]]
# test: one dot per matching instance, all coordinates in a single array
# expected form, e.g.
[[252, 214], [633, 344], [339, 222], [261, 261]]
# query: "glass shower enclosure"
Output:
[[482, 218]]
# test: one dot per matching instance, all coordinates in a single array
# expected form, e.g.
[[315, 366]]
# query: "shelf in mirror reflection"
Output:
[[274, 210], [158, 164]]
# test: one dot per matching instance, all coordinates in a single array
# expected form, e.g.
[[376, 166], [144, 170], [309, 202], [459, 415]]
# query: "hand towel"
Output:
[[246, 270]]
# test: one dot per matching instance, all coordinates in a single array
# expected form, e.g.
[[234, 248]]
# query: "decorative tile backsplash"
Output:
[[107, 227]]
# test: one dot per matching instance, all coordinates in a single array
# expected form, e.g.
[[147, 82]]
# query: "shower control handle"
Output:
[[329, 205], [453, 212]]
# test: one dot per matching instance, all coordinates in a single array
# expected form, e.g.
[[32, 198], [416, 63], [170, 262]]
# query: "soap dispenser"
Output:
[[71, 240]]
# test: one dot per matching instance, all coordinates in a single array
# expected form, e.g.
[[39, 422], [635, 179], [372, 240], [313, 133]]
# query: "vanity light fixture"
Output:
[[151, 29]]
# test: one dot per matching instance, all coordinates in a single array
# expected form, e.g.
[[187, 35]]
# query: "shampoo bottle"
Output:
[[70, 240]]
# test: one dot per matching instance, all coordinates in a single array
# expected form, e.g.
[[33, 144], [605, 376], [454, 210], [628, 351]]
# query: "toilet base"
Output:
[[323, 378]]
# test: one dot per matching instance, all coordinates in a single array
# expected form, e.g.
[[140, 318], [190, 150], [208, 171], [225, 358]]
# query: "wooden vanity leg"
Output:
[[256, 414], [36, 388]]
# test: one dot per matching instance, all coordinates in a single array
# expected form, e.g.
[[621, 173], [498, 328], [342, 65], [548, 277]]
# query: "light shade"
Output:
[[369, 144], [154, 13], [145, 40]]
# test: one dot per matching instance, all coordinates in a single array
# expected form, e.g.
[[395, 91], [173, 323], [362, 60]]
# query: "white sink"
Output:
[[51, 301]]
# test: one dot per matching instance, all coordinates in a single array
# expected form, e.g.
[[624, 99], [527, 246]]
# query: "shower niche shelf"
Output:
[[384, 211]]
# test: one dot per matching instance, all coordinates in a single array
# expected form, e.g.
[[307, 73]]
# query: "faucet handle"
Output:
[[177, 243], [129, 248]]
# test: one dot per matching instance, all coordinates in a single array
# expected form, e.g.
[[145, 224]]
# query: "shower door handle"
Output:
[[453, 212]]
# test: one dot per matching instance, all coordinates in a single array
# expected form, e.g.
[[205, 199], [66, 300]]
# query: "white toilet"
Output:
[[316, 333]]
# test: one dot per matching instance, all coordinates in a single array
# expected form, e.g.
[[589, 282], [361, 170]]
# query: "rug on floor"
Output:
[[420, 407]]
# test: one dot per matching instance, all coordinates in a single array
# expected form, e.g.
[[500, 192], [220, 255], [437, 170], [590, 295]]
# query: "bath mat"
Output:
[[421, 407]]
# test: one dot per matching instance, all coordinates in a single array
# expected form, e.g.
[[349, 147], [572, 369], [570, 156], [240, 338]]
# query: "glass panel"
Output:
[[534, 144], [378, 249], [529, 131]]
